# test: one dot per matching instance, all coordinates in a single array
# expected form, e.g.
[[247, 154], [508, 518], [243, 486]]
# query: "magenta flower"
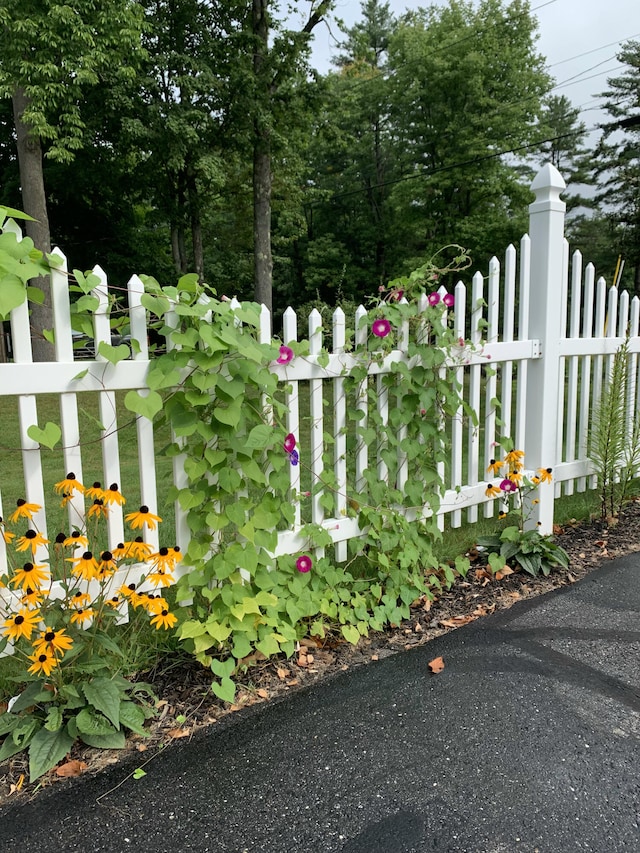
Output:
[[396, 296], [508, 486], [294, 458], [448, 299], [381, 327], [286, 355], [304, 563], [433, 298], [289, 443]]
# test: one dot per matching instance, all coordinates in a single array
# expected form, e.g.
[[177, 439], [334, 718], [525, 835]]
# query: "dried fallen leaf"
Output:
[[503, 573], [18, 785], [436, 665], [71, 768], [264, 694], [417, 627], [178, 733], [302, 660], [456, 621], [282, 673], [571, 578], [141, 747], [375, 657]]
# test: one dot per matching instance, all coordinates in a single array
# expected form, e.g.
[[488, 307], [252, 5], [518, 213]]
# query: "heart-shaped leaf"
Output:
[[113, 354], [148, 406], [49, 436], [225, 690]]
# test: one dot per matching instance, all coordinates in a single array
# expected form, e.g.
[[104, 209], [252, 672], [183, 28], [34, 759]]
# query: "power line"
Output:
[[593, 50]]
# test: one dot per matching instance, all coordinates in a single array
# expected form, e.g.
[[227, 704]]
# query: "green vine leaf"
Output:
[[49, 436], [146, 405]]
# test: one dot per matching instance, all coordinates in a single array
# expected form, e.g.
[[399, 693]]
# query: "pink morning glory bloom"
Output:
[[304, 563], [433, 298], [286, 355], [448, 299], [289, 443], [381, 327], [508, 486]]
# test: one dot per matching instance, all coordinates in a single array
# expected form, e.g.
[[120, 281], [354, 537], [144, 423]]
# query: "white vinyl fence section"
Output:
[[546, 326]]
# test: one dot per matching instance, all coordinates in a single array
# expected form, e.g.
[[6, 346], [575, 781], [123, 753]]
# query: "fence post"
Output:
[[546, 230]]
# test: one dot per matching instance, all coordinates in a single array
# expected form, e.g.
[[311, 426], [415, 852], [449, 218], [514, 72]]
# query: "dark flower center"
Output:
[[106, 556], [19, 620], [176, 548], [20, 502], [165, 612], [49, 636], [163, 552], [76, 534], [144, 509], [30, 534], [113, 487], [42, 658], [71, 476], [132, 587], [138, 539], [27, 567], [96, 485], [98, 502], [120, 545], [87, 555], [60, 538]]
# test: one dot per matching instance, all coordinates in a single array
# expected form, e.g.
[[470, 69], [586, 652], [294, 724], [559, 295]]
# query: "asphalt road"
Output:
[[529, 740]]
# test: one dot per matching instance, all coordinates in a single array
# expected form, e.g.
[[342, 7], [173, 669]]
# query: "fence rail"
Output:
[[543, 324]]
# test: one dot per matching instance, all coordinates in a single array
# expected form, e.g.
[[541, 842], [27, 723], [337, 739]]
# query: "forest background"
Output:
[[168, 136]]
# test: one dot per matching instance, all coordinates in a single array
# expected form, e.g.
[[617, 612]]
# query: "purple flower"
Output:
[[381, 327], [448, 299], [304, 563], [294, 458], [508, 486], [433, 298], [289, 443], [286, 355]]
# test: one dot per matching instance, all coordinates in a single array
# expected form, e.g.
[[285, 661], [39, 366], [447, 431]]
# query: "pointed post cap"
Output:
[[548, 184]]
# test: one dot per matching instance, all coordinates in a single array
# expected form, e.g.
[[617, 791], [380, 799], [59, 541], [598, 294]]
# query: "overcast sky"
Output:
[[566, 27]]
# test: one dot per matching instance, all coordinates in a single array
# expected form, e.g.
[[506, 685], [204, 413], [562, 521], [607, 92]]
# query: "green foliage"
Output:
[[525, 548], [20, 263], [614, 437], [222, 401]]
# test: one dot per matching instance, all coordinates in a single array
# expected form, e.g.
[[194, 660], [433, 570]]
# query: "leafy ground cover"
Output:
[[186, 702]]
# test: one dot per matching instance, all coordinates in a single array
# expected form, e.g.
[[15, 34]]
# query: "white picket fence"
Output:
[[547, 326]]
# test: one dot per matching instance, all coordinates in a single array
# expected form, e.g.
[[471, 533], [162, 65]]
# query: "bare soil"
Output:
[[186, 702]]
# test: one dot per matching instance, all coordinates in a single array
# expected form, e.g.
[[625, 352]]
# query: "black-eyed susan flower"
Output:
[[134, 550], [69, 485], [164, 560], [114, 601], [160, 578], [155, 605], [21, 624], [514, 459], [492, 491], [126, 591], [30, 575], [107, 564], [32, 539], [495, 466], [23, 510], [515, 477], [113, 496], [138, 599], [76, 539], [141, 517], [502, 515], [7, 535], [95, 491], [98, 509], [164, 619], [43, 663], [81, 616], [545, 475], [31, 597], [67, 497], [52, 641], [85, 567], [79, 599]]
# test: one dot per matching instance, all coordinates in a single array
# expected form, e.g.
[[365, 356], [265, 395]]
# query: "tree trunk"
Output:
[[196, 226], [262, 258], [34, 202]]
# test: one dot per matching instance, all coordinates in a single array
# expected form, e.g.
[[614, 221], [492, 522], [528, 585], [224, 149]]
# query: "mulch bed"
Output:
[[187, 703]]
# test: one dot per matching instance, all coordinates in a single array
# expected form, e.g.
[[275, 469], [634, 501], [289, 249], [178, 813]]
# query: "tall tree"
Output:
[[49, 53], [617, 160], [565, 134]]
